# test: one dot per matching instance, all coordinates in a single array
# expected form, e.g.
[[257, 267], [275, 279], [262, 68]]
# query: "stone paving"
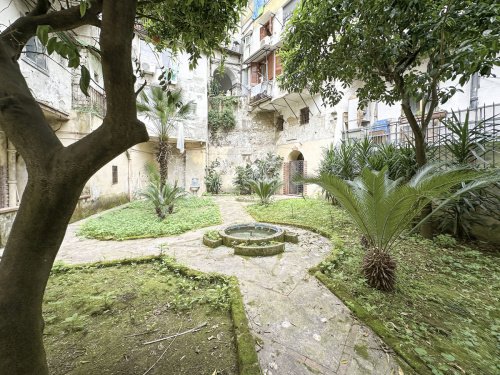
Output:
[[300, 326]]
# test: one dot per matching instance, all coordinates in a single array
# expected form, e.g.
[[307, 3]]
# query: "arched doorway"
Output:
[[223, 81], [296, 166]]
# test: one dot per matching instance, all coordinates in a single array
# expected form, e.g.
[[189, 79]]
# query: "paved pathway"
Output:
[[301, 327]]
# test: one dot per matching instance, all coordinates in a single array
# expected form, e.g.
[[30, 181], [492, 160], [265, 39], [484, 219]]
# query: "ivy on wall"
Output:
[[221, 113]]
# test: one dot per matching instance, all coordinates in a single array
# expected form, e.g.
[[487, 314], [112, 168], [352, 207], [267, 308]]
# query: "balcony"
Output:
[[261, 92], [257, 50], [95, 102]]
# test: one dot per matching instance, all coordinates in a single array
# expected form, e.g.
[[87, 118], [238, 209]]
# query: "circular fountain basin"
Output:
[[254, 233]]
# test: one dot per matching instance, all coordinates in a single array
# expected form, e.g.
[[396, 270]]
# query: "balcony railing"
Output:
[[399, 132], [261, 92], [95, 102]]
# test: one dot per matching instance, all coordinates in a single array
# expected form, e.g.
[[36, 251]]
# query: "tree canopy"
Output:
[[396, 48], [393, 50]]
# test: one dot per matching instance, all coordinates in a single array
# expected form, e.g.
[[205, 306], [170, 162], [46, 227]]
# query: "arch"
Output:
[[225, 79], [296, 165], [295, 155]]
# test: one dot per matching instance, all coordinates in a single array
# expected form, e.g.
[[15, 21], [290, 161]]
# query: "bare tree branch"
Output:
[[21, 117]]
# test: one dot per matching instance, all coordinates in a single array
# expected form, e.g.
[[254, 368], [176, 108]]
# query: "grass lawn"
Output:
[[444, 317], [139, 220], [98, 318]]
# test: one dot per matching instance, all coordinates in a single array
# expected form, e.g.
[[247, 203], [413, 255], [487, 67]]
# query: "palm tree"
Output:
[[162, 196], [164, 109], [382, 208]]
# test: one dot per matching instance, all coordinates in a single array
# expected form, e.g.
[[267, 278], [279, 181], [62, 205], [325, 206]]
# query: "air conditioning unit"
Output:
[[266, 40], [147, 68]]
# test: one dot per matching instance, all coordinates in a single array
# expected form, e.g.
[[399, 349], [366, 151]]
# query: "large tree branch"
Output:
[[16, 35], [120, 129], [405, 105], [20, 115]]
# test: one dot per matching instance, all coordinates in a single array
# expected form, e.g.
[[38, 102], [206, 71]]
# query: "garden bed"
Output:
[[99, 317], [443, 317], [139, 220]]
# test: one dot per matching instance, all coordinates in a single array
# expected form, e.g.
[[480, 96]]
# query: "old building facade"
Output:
[[72, 116]]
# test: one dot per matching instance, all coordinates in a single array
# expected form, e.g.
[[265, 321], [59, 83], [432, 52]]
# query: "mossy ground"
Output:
[[139, 220], [97, 320], [444, 317]]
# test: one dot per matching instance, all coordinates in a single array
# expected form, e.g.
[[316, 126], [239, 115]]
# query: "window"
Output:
[[266, 29], [278, 68], [115, 174], [288, 10], [35, 53], [304, 116], [280, 121]]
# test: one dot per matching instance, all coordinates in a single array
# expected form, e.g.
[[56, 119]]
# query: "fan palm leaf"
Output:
[[383, 208]]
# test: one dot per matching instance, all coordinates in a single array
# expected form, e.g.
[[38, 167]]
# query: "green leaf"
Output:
[[74, 62], [42, 32], [52, 45], [83, 8], [84, 80], [421, 351], [448, 357]]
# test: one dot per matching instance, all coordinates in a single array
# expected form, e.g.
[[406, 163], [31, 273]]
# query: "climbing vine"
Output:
[[221, 113]]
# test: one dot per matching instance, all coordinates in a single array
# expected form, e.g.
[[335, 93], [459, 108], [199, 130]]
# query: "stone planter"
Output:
[[211, 243], [256, 250], [291, 237]]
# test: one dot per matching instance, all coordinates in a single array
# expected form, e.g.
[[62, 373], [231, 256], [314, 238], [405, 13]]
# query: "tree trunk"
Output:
[[426, 229], [162, 158], [32, 246], [57, 174]]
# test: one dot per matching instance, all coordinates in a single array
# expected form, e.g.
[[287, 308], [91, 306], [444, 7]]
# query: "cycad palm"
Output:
[[382, 209], [265, 189], [164, 110]]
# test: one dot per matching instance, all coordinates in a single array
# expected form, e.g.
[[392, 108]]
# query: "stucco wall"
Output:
[[253, 137]]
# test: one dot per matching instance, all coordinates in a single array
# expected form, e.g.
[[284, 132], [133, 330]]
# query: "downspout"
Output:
[[474, 86]]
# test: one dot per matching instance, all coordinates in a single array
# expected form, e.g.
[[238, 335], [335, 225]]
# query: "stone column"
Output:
[[12, 173]]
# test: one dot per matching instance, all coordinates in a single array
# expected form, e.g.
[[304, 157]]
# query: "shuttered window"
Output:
[[114, 174], [304, 116]]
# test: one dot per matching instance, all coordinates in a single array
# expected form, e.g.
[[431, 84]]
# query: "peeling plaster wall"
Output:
[[253, 137]]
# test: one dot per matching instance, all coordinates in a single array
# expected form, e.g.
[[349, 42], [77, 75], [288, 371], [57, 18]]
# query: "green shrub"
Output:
[[213, 178], [242, 179], [163, 197], [213, 235], [265, 189], [445, 240]]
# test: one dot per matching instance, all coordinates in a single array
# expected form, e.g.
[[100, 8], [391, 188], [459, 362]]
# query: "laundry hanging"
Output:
[[180, 138]]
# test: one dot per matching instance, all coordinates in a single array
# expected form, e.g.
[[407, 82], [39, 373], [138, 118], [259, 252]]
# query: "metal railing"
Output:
[[398, 132], [95, 102], [261, 92]]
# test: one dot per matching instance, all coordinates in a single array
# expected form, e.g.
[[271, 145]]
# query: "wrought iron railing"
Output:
[[95, 102], [399, 132]]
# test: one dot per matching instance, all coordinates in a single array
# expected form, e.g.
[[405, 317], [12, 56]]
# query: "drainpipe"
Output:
[[12, 174], [474, 86]]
